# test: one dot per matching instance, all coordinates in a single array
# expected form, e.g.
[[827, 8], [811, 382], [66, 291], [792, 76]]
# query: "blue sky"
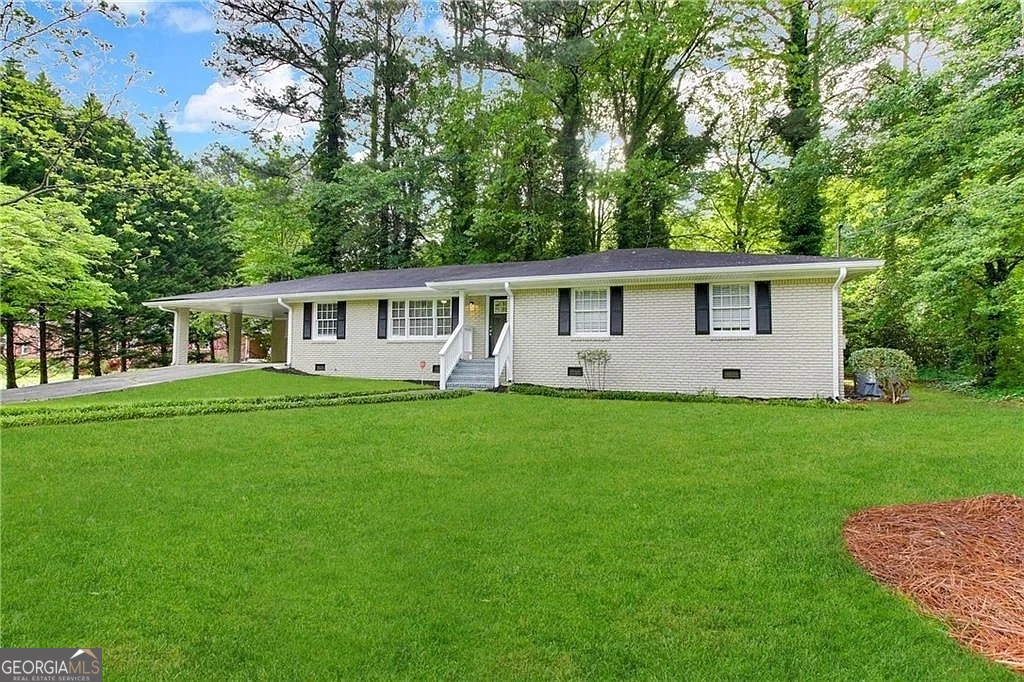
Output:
[[171, 40]]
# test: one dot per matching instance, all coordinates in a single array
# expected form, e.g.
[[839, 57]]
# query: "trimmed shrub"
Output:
[[893, 369]]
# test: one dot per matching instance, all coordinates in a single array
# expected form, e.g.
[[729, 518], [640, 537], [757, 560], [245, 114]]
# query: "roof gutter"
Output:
[[287, 332], [837, 380]]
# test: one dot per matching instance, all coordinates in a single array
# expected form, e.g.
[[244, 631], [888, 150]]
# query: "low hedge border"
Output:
[[39, 416], [46, 406], [642, 396]]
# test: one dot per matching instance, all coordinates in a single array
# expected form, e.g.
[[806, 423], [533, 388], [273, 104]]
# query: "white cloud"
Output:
[[226, 103], [134, 8], [188, 19], [442, 30]]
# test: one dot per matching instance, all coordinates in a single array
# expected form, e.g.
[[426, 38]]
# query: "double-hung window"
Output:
[[326, 320], [731, 308], [423, 318], [590, 312]]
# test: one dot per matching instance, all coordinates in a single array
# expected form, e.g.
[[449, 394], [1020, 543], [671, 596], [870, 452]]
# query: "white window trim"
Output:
[[608, 314], [407, 337], [317, 336], [732, 332]]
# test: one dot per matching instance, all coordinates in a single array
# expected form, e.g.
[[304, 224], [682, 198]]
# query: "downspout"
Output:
[[288, 333], [837, 382], [511, 329]]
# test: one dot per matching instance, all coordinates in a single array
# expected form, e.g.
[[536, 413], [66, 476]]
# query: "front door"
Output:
[[497, 316]]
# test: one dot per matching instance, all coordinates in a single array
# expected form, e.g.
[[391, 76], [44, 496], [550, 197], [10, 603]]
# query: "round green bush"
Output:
[[893, 369]]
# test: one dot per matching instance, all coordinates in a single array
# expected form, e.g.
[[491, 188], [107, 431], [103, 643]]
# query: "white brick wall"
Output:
[[659, 350], [361, 353]]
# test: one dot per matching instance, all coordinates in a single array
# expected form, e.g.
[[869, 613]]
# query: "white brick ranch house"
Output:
[[677, 321]]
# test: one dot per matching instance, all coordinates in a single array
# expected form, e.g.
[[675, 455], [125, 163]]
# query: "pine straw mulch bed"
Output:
[[961, 561]]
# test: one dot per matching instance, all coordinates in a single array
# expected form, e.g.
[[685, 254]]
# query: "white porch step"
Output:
[[473, 374]]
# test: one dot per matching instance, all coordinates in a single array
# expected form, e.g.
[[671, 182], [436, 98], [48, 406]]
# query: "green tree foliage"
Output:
[[560, 63], [49, 262], [946, 150], [456, 159], [167, 226], [314, 38], [270, 215], [736, 204], [517, 215], [800, 204], [648, 50], [368, 217]]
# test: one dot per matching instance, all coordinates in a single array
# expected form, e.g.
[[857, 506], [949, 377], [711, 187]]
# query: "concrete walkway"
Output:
[[121, 380]]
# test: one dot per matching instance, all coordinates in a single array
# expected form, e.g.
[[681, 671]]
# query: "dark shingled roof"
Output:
[[622, 260]]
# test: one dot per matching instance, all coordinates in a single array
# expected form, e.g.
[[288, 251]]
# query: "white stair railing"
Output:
[[502, 353], [458, 346]]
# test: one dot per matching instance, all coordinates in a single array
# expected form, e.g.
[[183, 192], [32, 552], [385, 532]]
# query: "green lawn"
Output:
[[245, 384], [490, 537]]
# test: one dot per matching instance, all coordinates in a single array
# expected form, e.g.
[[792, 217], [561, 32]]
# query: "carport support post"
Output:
[[279, 340], [235, 337], [179, 352]]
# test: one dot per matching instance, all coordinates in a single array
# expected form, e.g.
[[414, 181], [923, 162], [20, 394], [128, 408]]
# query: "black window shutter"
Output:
[[307, 320], [763, 306], [341, 320], [702, 305], [564, 311], [382, 318], [455, 312], [615, 324]]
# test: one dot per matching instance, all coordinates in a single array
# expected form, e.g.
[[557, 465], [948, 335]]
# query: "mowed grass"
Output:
[[244, 384], [490, 537]]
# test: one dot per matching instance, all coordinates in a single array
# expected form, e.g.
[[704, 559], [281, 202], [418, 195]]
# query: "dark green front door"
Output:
[[497, 316]]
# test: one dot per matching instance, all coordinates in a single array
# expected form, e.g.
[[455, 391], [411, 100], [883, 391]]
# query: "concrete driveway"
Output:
[[122, 380]]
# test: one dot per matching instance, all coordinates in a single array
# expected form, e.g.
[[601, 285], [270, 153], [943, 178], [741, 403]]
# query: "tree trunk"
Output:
[[990, 333], [97, 355], [213, 350], [12, 378], [374, 98], [569, 145], [331, 137], [569, 149], [44, 376], [76, 344], [122, 347]]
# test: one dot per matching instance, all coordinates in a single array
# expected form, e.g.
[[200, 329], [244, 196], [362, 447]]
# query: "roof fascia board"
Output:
[[291, 298], [682, 274], [795, 269]]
